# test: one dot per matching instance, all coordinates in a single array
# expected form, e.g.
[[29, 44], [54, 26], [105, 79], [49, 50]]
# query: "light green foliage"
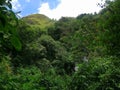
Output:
[[97, 74], [31, 78], [38, 21]]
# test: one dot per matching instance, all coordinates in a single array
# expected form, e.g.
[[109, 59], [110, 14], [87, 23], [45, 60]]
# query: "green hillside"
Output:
[[38, 20]]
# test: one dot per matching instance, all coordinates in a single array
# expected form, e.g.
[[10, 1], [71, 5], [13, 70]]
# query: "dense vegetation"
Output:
[[82, 53]]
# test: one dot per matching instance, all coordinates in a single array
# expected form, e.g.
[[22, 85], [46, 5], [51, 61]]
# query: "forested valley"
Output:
[[72, 53]]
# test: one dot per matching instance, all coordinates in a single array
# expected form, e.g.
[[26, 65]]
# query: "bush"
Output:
[[31, 78], [97, 74]]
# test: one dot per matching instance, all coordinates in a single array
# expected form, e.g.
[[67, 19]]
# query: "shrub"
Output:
[[97, 74]]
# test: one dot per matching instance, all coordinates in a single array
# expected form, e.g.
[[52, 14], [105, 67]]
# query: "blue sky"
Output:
[[56, 8], [31, 6]]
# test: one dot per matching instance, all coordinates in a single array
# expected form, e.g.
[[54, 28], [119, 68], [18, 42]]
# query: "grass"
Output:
[[38, 21]]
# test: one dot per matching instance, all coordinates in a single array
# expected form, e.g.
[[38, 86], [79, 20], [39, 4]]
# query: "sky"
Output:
[[55, 9]]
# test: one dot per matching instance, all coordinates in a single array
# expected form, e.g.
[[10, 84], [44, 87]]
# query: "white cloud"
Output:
[[16, 5], [71, 8]]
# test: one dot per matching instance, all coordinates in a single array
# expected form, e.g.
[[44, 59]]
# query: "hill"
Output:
[[38, 21]]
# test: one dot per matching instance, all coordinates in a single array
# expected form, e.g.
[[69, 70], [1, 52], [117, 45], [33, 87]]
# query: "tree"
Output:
[[97, 74], [8, 28], [111, 28]]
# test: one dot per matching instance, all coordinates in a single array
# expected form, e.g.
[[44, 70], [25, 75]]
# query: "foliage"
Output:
[[111, 28], [79, 53], [31, 78], [8, 32], [97, 74]]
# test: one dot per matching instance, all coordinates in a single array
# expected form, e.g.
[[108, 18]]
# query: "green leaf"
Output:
[[16, 43]]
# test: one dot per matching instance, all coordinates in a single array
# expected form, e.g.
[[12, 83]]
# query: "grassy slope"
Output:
[[38, 21]]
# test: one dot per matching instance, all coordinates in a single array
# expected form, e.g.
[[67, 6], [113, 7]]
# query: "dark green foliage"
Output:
[[8, 32], [62, 28], [111, 28]]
